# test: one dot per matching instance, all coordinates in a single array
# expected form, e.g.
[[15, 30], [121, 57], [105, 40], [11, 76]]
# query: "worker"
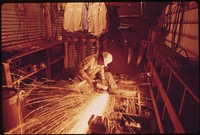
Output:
[[93, 67]]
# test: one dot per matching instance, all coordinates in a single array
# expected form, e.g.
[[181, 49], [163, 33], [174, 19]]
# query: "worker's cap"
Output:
[[107, 57]]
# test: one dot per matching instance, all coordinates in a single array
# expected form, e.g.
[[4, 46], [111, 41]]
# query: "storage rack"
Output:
[[37, 60]]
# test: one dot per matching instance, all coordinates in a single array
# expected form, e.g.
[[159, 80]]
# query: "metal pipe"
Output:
[[182, 82], [156, 111], [183, 99], [175, 121], [185, 35]]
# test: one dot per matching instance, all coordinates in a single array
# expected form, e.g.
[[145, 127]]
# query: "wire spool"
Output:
[[147, 113], [59, 38], [12, 114], [16, 63], [42, 64], [34, 67], [28, 68], [83, 40]]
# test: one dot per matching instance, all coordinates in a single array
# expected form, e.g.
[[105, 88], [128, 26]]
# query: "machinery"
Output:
[[98, 125]]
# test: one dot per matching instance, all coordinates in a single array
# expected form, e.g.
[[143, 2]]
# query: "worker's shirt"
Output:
[[73, 16], [90, 67], [97, 18]]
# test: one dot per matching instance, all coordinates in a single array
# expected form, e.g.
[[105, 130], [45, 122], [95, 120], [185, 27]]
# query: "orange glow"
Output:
[[97, 107]]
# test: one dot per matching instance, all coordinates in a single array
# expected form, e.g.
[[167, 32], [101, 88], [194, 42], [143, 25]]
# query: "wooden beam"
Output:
[[48, 21]]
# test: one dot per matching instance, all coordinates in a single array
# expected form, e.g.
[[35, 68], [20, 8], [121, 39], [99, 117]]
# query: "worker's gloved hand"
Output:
[[104, 82], [91, 82], [101, 86]]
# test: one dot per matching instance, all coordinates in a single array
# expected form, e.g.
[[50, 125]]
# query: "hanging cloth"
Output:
[[84, 17], [73, 16], [103, 18], [97, 18]]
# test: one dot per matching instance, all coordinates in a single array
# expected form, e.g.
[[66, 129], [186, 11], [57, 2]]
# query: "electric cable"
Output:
[[178, 19]]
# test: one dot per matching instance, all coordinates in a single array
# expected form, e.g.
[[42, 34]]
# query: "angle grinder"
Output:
[[101, 86]]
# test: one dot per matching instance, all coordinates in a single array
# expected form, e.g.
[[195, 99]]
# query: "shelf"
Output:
[[44, 46], [26, 76], [56, 60], [43, 54], [59, 75]]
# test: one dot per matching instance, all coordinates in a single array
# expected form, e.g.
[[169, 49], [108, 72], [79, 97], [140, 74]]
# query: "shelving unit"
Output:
[[28, 75], [43, 58]]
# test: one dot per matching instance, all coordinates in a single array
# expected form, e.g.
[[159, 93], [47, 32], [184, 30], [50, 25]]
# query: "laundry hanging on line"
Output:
[[97, 18], [91, 17], [73, 16]]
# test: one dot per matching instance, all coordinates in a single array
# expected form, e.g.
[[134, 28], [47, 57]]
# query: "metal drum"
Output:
[[12, 114]]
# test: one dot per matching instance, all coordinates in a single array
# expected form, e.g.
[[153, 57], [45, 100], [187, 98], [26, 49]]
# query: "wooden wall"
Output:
[[56, 20], [22, 23], [25, 23]]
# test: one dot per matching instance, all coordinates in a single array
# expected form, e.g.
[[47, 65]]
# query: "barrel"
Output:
[[12, 114]]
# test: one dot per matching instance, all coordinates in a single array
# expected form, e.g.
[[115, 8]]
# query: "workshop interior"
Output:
[[155, 64]]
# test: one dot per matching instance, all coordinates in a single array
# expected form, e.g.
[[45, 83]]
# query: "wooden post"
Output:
[[91, 45], [48, 21], [7, 74], [82, 43], [48, 71], [130, 54], [66, 61], [98, 45]]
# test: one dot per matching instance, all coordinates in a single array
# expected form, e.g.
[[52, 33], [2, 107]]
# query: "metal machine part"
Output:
[[98, 125]]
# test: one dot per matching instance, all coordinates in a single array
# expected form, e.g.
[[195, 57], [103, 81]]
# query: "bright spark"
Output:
[[97, 107]]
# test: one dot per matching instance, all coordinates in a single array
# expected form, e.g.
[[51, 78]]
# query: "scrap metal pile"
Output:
[[62, 107]]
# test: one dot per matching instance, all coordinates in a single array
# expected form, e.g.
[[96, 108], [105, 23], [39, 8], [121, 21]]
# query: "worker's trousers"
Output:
[[110, 80]]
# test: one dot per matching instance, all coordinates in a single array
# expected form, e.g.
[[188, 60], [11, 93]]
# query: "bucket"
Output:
[[11, 109]]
